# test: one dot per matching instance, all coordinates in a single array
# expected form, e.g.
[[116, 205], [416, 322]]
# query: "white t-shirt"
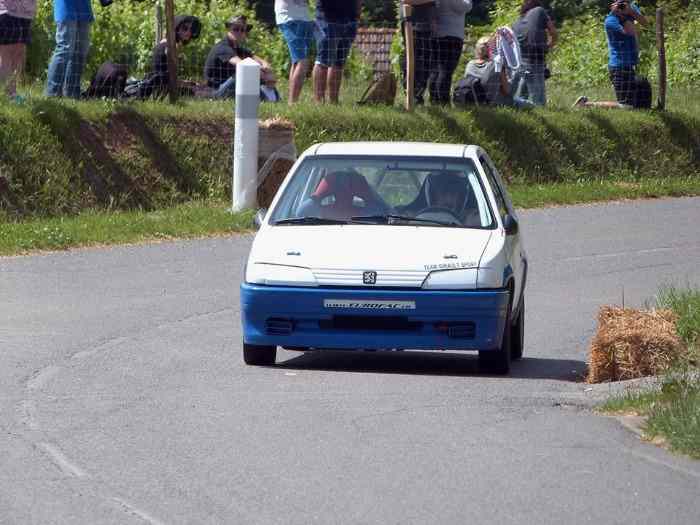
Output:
[[290, 10], [18, 8]]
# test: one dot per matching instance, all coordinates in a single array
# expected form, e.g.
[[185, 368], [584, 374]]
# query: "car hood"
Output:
[[339, 255]]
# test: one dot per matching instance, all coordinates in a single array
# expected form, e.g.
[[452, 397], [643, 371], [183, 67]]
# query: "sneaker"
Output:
[[580, 102]]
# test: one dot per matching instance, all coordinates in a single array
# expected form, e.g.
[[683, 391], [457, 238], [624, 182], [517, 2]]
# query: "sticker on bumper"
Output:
[[370, 305]]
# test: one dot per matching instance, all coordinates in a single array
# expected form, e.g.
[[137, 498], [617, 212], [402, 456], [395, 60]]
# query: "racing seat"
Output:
[[341, 195]]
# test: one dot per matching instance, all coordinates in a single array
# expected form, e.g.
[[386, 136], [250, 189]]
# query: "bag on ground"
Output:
[[469, 92], [642, 93]]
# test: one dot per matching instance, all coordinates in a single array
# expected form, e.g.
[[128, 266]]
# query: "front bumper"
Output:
[[438, 320]]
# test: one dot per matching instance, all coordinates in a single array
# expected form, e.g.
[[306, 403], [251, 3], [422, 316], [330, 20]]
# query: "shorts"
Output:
[[14, 30], [624, 82], [299, 35], [334, 41]]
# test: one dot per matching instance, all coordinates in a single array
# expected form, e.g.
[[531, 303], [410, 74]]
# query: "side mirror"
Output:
[[260, 217], [510, 225]]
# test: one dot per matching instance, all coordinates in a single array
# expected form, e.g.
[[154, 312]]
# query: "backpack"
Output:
[[469, 91], [642, 93], [109, 81]]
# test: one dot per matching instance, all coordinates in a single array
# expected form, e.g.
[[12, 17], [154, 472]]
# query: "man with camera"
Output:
[[623, 49], [621, 29]]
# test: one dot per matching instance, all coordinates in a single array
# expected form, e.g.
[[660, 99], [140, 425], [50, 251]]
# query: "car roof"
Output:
[[392, 149]]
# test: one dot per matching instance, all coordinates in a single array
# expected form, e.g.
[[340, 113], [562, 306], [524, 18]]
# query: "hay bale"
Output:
[[632, 343]]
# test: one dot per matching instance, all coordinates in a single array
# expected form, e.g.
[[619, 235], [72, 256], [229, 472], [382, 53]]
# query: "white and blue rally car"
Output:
[[387, 246]]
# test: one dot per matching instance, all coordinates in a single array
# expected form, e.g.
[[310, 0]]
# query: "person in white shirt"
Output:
[[294, 22], [15, 28]]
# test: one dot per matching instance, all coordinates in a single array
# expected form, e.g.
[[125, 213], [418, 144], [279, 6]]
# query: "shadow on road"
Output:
[[431, 363]]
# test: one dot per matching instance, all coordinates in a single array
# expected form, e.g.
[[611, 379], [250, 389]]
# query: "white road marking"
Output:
[[130, 509], [42, 377], [61, 461], [84, 354], [611, 255]]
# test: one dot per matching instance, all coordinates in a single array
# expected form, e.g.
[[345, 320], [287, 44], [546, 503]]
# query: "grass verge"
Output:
[[95, 228], [673, 410]]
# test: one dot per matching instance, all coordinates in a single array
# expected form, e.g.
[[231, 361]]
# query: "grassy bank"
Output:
[[92, 228], [61, 160], [673, 410]]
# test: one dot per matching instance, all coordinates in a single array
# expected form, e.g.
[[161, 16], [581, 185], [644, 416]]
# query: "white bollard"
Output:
[[245, 139]]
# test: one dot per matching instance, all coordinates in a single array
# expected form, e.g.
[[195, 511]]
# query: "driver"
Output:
[[446, 190]]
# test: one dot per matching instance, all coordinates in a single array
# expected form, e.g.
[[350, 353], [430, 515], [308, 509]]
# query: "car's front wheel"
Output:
[[498, 361], [259, 355]]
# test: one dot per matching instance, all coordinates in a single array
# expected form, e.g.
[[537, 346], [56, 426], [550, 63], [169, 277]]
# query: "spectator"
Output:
[[294, 22], [73, 19], [496, 85], [220, 65], [424, 20], [336, 26], [537, 34], [15, 29], [268, 88], [623, 57], [187, 28], [447, 47]]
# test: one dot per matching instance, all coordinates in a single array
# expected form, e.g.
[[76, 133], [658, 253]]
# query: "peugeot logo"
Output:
[[369, 277]]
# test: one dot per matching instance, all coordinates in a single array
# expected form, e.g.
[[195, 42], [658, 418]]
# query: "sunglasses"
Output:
[[240, 29]]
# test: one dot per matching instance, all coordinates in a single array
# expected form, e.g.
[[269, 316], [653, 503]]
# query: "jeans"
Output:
[[227, 89], [68, 60], [532, 77], [446, 53]]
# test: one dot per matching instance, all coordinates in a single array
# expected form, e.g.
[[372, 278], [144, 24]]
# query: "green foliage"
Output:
[[379, 13], [581, 37], [683, 54], [685, 302]]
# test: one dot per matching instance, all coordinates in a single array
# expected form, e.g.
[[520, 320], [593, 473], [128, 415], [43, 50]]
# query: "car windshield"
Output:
[[393, 191]]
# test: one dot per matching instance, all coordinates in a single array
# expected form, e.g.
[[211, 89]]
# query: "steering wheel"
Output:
[[437, 210]]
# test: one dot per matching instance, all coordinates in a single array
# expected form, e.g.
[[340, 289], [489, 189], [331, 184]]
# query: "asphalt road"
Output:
[[124, 399]]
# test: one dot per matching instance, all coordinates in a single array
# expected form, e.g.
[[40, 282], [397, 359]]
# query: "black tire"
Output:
[[259, 355], [517, 336], [498, 361]]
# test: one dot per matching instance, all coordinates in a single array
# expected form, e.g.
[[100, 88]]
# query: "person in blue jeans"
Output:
[[536, 34], [73, 19]]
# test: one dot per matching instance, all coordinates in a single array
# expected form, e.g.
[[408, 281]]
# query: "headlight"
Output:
[[490, 278], [451, 280], [279, 275]]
